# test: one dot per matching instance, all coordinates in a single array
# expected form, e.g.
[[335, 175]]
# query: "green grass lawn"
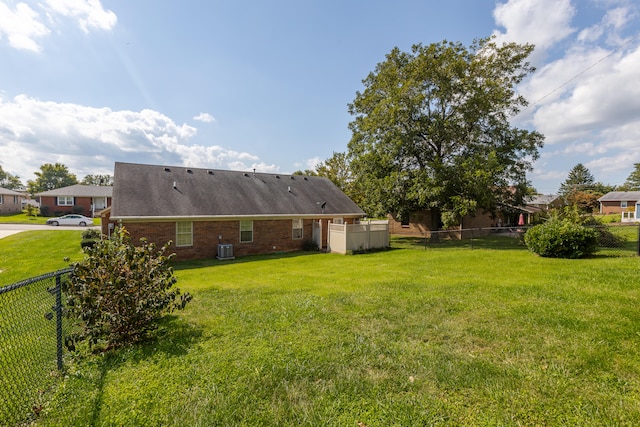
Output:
[[411, 336]]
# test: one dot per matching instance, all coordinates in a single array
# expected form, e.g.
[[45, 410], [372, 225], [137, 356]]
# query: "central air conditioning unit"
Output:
[[225, 252]]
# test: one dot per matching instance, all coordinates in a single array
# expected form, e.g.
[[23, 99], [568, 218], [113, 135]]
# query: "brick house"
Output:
[[202, 210], [10, 201], [422, 223], [625, 203], [84, 199]]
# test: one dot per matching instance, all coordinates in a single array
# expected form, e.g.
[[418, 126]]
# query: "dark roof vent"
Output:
[[189, 171], [305, 178], [292, 177], [245, 174], [210, 172], [167, 170], [277, 176]]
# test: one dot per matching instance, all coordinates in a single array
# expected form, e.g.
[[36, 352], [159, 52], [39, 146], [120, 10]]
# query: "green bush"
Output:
[[90, 237], [119, 292], [561, 238]]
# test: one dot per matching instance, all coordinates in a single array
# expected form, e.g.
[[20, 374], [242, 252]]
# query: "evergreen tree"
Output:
[[578, 179]]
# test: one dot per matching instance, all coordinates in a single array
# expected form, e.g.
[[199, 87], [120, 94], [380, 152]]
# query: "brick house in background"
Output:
[[87, 200], [422, 223], [10, 201], [205, 210], [625, 203]]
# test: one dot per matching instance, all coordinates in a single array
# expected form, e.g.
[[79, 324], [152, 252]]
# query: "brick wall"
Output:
[[269, 236], [79, 202], [8, 205], [614, 207]]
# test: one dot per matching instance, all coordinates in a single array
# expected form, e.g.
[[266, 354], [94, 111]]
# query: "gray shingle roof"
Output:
[[147, 191], [541, 199], [79, 190], [615, 196], [8, 192]]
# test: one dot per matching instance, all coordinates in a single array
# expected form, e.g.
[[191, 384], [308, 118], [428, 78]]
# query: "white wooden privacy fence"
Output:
[[358, 237]]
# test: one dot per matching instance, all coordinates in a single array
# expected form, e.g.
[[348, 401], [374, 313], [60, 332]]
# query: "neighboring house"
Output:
[[84, 199], [204, 211], [625, 203], [422, 223], [544, 202], [10, 201], [536, 204]]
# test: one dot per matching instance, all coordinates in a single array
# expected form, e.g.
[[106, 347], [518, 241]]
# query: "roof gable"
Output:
[[7, 192], [79, 190], [617, 196], [541, 199], [147, 191]]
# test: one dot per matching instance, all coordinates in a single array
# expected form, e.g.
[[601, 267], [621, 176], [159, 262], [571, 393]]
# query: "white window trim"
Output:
[[184, 234], [623, 204], [295, 222], [66, 200], [246, 229]]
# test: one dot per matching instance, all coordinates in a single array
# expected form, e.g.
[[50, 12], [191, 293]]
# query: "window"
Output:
[[15, 200], [184, 233], [338, 220], [65, 201], [246, 231], [1, 199], [404, 221], [623, 204], [297, 228]]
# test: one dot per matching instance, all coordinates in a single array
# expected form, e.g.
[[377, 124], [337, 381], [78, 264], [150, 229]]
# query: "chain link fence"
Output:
[[613, 239], [31, 347]]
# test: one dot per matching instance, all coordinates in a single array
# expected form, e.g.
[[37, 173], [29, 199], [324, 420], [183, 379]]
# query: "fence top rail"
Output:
[[26, 282]]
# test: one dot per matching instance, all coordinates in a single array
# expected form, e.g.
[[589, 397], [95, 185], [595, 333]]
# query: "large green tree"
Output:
[[432, 130], [51, 177], [11, 182], [337, 169], [633, 181], [578, 179], [104, 180]]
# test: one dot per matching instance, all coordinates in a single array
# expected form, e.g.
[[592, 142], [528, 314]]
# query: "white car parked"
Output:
[[71, 219]]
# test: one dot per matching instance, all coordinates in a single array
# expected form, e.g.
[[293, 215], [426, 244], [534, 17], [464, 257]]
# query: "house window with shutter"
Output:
[[184, 233], [246, 231], [297, 228], [65, 201]]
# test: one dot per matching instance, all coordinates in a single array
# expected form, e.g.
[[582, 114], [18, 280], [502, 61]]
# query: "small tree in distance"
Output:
[[119, 291]]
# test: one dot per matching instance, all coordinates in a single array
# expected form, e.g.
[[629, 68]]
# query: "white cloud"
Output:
[[531, 21], [24, 26], [313, 162], [205, 118], [21, 27], [88, 13], [88, 139]]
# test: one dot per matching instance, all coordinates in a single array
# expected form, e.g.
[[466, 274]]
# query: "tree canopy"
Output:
[[633, 181], [432, 131], [9, 181], [578, 179], [51, 177], [104, 180]]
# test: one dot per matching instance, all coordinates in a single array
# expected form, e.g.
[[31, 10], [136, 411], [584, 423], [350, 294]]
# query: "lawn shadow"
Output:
[[210, 262], [492, 241], [173, 338]]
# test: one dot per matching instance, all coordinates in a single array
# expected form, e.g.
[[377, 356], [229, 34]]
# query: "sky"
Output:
[[250, 84]]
